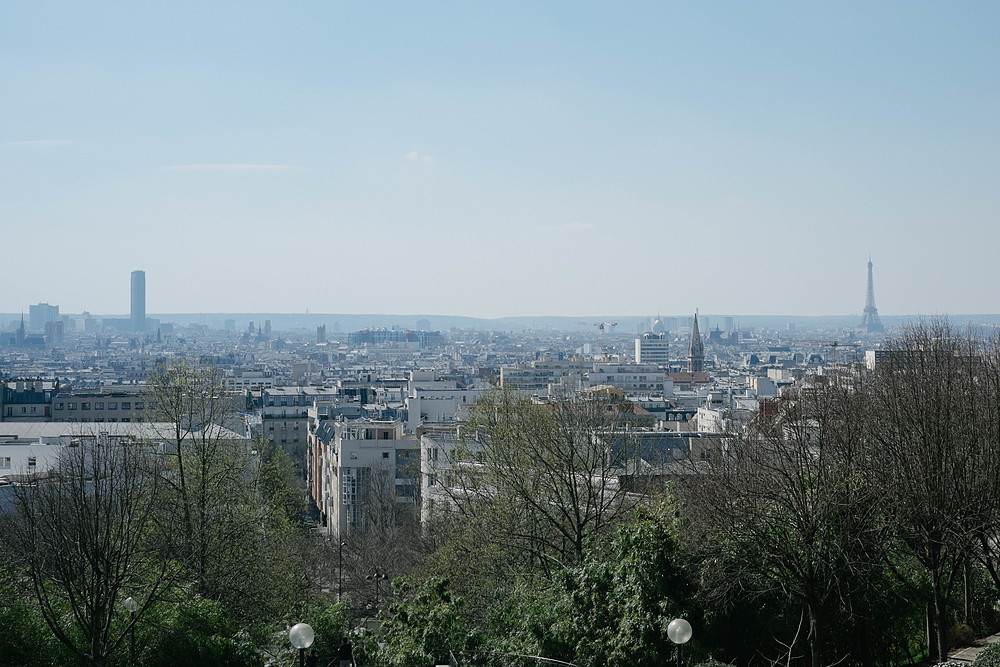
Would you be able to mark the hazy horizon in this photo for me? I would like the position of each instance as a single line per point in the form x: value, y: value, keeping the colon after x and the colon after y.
x: 489, y: 160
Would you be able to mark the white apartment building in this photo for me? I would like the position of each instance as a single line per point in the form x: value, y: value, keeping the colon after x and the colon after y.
x: 652, y: 349
x: 433, y: 401
x: 367, y: 473
x: 634, y: 379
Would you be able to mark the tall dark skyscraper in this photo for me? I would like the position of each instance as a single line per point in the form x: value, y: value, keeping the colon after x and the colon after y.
x: 870, y: 321
x: 138, y: 300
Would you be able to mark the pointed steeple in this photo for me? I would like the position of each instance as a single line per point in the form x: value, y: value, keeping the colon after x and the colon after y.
x: 696, y: 349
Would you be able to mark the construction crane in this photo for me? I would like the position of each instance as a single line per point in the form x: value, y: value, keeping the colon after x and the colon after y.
x: 602, y: 326
x: 833, y: 345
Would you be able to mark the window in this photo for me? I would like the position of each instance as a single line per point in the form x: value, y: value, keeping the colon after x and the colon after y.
x: 99, y: 405
x: 4, y: 461
x: 112, y: 405
x: 139, y: 405
x: 59, y: 406
x: 85, y: 406
x: 126, y: 405
x: 32, y: 462
x: 385, y: 455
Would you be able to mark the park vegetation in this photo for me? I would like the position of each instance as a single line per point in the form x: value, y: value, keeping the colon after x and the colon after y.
x: 853, y: 522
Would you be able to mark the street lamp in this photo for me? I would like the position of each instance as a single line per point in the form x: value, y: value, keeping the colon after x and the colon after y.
x: 377, y: 575
x: 340, y: 573
x: 301, y: 636
x: 679, y: 632
x: 132, y: 606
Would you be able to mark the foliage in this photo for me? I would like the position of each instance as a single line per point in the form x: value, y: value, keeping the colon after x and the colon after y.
x: 26, y: 639
x: 424, y: 626
x: 612, y: 609
x: 83, y: 539
x: 197, y: 632
x: 331, y: 623
x: 961, y: 634
x: 989, y: 657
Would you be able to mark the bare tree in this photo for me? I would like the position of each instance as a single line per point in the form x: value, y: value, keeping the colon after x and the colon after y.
x: 791, y: 507
x: 83, y: 535
x: 541, y: 478
x: 935, y: 427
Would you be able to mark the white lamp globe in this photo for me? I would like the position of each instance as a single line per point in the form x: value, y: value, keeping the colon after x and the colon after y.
x: 301, y: 635
x: 679, y: 631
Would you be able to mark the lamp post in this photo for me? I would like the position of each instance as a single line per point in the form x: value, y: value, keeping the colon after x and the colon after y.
x: 132, y: 606
x: 377, y: 575
x: 679, y: 632
x: 301, y: 636
x: 340, y: 573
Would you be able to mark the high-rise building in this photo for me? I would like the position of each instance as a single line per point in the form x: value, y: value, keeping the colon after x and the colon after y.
x: 41, y: 314
x: 652, y: 348
x: 870, y: 321
x: 138, y: 301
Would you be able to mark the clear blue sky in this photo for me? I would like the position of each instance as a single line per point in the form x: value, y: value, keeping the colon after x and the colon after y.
x: 506, y: 158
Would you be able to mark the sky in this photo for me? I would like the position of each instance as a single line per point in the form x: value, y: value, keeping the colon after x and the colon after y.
x: 498, y: 159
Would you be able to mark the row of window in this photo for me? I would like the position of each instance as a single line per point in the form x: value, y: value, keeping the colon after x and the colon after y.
x: 99, y: 405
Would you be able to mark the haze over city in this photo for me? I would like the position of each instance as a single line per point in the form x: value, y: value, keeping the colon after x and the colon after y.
x: 496, y: 160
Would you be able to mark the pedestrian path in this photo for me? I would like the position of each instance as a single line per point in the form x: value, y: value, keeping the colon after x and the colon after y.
x: 969, y: 653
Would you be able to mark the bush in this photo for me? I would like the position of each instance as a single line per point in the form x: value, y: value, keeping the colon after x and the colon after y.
x: 712, y: 662
x: 990, y: 657
x: 961, y: 634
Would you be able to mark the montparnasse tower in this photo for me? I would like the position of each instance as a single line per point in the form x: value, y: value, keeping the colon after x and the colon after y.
x: 870, y: 321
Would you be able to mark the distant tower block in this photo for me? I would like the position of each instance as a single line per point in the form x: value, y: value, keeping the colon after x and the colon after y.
x: 696, y: 349
x: 870, y: 321
x: 138, y: 301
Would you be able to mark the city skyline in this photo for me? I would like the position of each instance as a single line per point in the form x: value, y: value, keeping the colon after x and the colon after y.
x: 556, y: 159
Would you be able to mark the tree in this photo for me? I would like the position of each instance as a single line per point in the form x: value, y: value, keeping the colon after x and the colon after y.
x: 82, y: 536
x: 935, y: 426
x: 791, y: 506
x: 425, y: 627
x: 541, y: 478
x: 224, y: 505
x: 615, y: 608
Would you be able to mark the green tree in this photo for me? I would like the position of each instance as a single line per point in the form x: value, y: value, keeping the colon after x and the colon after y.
x: 424, y: 627
x: 228, y: 512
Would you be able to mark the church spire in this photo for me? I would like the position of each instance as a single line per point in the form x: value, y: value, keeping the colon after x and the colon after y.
x: 696, y: 349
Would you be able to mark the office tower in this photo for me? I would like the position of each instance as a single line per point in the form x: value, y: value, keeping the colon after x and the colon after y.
x: 41, y: 314
x: 138, y: 301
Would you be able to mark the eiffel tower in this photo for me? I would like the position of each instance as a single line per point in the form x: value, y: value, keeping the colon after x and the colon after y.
x: 870, y: 320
